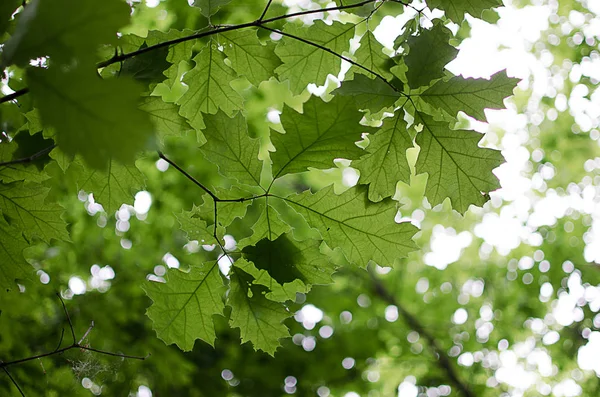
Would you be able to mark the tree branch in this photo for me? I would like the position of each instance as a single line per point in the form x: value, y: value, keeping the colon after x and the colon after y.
x: 443, y: 361
x: 30, y: 158
x: 58, y: 350
x: 258, y: 23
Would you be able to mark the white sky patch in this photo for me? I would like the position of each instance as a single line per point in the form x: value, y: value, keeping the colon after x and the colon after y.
x: 446, y: 246
x: 77, y: 285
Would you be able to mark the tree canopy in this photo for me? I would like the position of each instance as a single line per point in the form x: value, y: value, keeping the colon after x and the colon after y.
x: 263, y: 197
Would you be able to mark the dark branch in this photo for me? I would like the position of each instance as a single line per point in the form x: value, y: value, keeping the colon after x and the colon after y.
x: 265, y: 10
x: 14, y: 382
x: 443, y: 361
x: 30, y: 158
x: 68, y: 317
x: 74, y: 345
x: 14, y: 95
x: 188, y: 176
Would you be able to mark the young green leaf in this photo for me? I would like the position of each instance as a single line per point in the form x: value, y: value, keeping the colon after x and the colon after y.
x: 429, y: 53
x: 364, y: 230
x: 96, y: 118
x: 22, y: 204
x: 470, y: 95
x: 184, y: 305
x: 195, y: 227
x: 386, y: 163
x: 457, y: 167
x: 314, y: 138
x: 209, y: 88
x: 304, y: 63
x: 259, y: 319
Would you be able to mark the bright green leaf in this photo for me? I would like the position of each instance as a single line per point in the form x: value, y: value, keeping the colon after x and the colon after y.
x: 249, y: 57
x: 195, y: 227
x: 386, y: 163
x: 470, y: 95
x: 371, y: 56
x: 230, y: 147
x: 364, y: 230
x: 314, y: 138
x: 429, y: 53
x: 457, y: 167
x: 455, y: 9
x: 209, y: 88
x: 183, y: 307
x: 304, y: 63
x: 96, y: 118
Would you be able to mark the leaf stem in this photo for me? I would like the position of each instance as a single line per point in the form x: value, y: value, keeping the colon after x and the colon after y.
x: 188, y: 176
x: 29, y: 158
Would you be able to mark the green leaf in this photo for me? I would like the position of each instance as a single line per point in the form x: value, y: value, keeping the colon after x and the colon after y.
x: 112, y: 187
x: 429, y: 53
x: 304, y: 63
x: 386, y: 163
x: 230, y: 147
x: 314, y: 138
x: 183, y: 307
x: 269, y: 224
x: 371, y: 94
x: 364, y: 230
x: 23, y: 205
x: 286, y: 266
x: 28, y: 171
x: 195, y: 227
x: 147, y: 67
x: 249, y: 57
x: 371, y: 56
x: 165, y: 117
x: 209, y: 88
x: 209, y: 8
x: 12, y: 263
x: 470, y: 95
x: 63, y: 29
x: 455, y: 9
x: 457, y: 167
x: 96, y: 118
x: 259, y: 319
x: 7, y: 8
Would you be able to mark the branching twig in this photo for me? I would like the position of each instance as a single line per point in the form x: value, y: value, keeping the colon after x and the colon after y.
x: 75, y: 345
x: 443, y: 361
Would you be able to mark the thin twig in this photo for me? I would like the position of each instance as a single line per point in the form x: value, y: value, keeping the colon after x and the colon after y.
x: 14, y: 382
x: 86, y: 333
x: 68, y: 317
x: 74, y: 345
x: 188, y: 176
x: 29, y: 158
x: 62, y: 335
x: 258, y: 23
x: 443, y: 361
x: 265, y: 11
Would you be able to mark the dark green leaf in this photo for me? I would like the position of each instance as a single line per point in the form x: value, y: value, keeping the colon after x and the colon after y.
x: 371, y: 94
x: 455, y: 9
